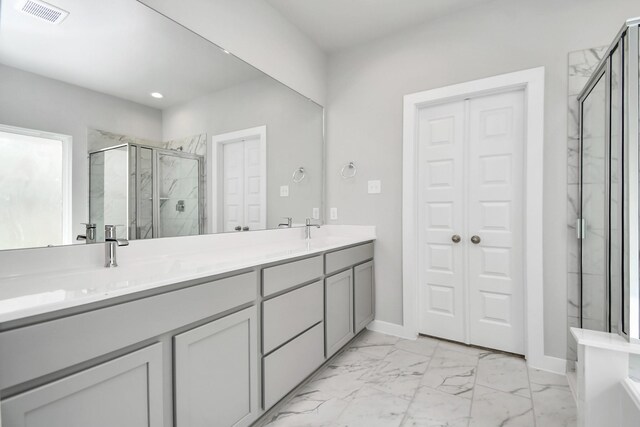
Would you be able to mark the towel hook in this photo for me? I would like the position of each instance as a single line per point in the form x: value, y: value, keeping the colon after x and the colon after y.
x: 344, y: 172
x: 298, y: 175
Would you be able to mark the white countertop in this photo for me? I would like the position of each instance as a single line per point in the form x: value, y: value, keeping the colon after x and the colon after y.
x: 604, y: 340
x: 35, y: 294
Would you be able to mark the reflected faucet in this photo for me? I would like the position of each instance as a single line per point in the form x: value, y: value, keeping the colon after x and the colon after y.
x: 287, y: 224
x: 89, y: 235
x: 307, y: 228
x: 111, y: 243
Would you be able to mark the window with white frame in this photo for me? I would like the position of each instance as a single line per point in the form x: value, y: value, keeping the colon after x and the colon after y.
x: 35, y: 188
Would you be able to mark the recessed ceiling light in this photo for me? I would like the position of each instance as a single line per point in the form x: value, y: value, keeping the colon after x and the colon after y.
x: 157, y: 95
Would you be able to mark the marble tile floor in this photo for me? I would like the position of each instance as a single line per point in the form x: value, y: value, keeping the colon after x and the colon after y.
x: 380, y: 380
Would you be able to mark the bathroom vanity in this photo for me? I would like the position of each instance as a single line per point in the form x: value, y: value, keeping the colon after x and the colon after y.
x: 218, y: 348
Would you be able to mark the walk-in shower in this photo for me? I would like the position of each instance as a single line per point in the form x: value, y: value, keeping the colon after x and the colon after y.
x: 608, y: 220
x: 147, y: 191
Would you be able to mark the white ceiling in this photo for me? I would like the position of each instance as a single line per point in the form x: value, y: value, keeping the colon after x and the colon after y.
x: 118, y: 47
x: 338, y: 24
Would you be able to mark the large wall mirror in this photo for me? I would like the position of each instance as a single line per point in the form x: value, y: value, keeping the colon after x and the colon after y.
x: 115, y: 114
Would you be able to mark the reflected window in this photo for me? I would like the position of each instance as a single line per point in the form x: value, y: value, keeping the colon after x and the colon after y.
x: 35, y: 189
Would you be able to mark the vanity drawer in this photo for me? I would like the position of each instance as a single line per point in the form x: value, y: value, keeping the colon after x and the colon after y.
x: 282, y: 277
x: 335, y: 261
x: 286, y: 316
x: 288, y: 366
x: 75, y: 339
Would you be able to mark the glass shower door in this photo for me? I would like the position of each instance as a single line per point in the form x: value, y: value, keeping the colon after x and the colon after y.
x: 594, y: 207
x: 145, y: 194
x: 109, y: 190
x: 179, y: 195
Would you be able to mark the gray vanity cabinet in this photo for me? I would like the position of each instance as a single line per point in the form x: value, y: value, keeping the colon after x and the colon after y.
x: 216, y: 380
x: 124, y: 392
x: 363, y: 290
x: 338, y: 311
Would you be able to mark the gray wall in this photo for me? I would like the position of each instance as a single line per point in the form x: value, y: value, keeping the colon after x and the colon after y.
x: 364, y: 116
x: 294, y: 138
x: 35, y: 102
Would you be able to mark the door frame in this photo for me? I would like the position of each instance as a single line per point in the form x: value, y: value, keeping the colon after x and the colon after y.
x: 215, y: 157
x: 532, y: 82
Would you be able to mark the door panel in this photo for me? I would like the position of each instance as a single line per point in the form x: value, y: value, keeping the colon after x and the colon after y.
x: 363, y: 292
x: 244, y: 186
x: 494, y: 210
x: 216, y: 383
x: 233, y: 185
x: 253, y: 186
x: 338, y: 311
x: 441, y: 138
x: 594, y: 207
x: 471, y: 184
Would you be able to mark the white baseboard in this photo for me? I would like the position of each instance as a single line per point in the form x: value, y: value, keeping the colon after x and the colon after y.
x: 390, y: 329
x: 552, y: 364
x: 632, y: 389
x: 572, y: 379
x: 544, y: 363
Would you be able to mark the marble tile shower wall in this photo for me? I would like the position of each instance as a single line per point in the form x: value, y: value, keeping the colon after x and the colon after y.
x: 179, y: 196
x: 173, y: 184
x: 582, y: 64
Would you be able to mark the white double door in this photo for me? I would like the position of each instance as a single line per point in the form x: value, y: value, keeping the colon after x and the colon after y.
x: 244, y: 191
x: 471, y: 174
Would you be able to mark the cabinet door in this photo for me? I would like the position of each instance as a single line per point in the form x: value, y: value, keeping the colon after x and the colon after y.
x: 363, y: 289
x: 216, y: 378
x: 338, y: 311
x: 124, y: 392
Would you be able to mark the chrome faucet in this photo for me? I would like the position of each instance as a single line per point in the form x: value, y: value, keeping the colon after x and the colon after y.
x: 89, y: 235
x: 111, y: 243
x: 307, y: 228
x: 287, y: 224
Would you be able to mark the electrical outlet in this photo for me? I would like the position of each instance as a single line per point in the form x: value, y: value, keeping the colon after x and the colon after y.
x: 374, y: 187
x: 284, y: 191
x: 316, y: 213
x: 333, y: 213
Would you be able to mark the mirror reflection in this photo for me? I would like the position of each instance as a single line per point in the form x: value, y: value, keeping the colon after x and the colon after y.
x: 116, y: 115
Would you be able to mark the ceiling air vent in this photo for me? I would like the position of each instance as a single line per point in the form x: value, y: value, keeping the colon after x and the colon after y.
x: 41, y: 10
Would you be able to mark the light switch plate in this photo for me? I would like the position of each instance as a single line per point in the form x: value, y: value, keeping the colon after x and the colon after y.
x: 333, y: 213
x: 316, y: 213
x: 374, y: 187
x: 284, y: 191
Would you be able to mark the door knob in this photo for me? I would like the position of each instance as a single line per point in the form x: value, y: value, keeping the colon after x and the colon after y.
x: 455, y: 238
x: 475, y: 239
x: 238, y: 228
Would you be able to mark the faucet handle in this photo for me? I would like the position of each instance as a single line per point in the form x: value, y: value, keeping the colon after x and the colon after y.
x: 90, y: 233
x: 110, y: 230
